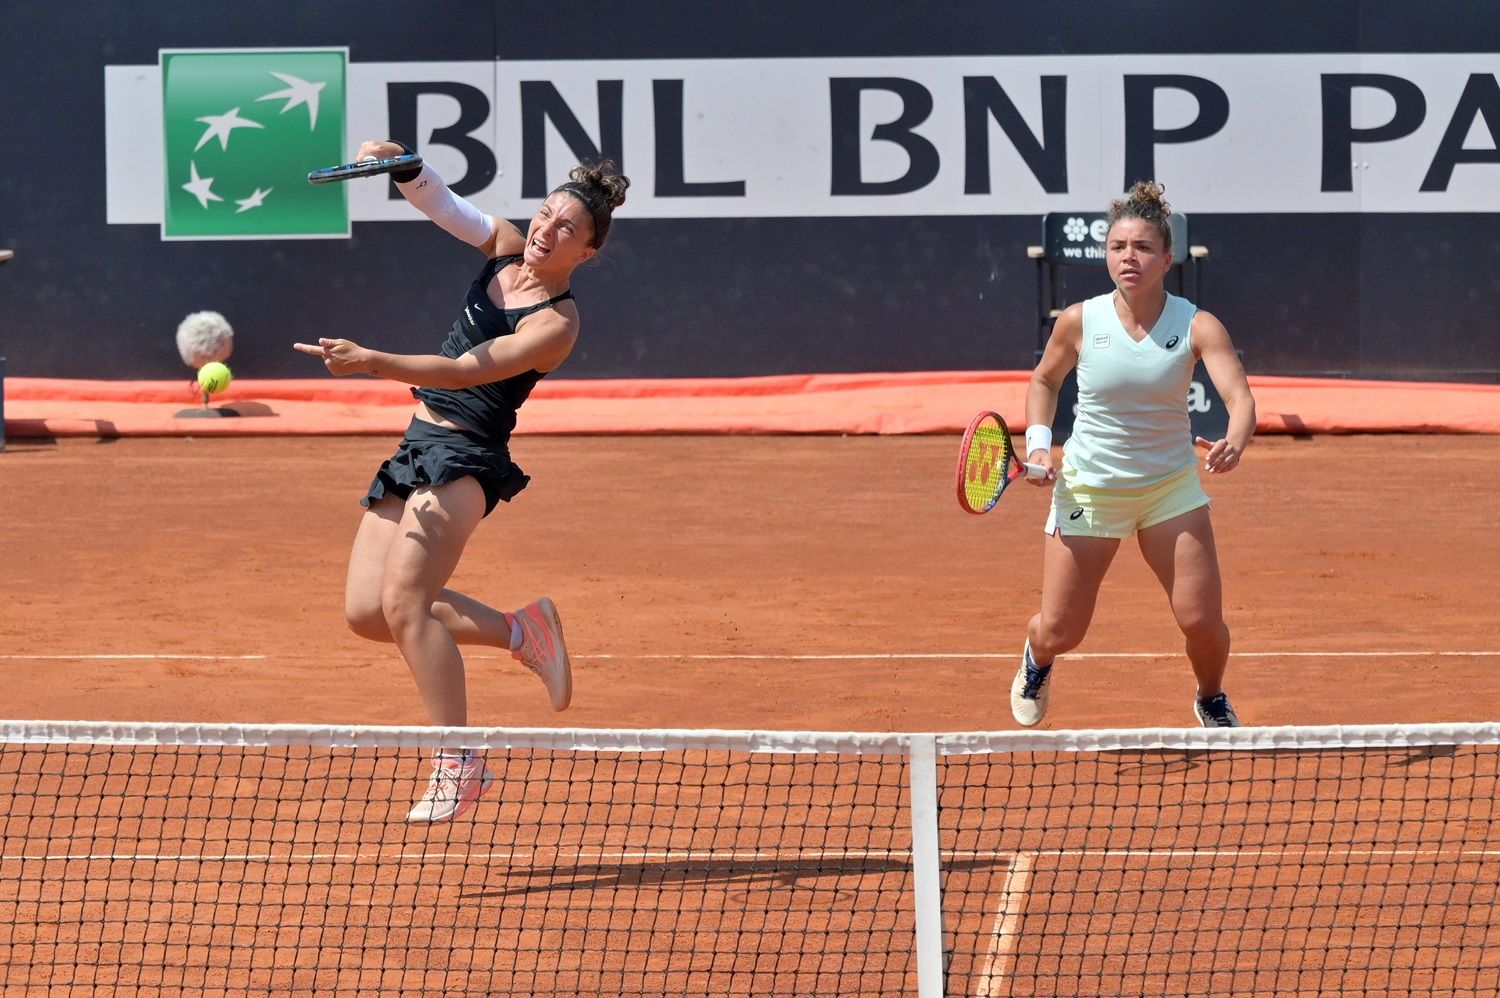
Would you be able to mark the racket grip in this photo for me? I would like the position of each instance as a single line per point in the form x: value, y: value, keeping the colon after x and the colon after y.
x: 1035, y: 471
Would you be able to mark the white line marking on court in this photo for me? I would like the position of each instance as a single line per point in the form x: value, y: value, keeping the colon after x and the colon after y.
x: 765, y: 656
x: 855, y: 657
x: 143, y: 657
x: 1284, y: 853
x: 514, y: 855
x: 1001, y: 951
x: 556, y: 853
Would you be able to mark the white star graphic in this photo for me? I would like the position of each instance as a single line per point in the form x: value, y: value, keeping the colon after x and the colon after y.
x: 200, y: 187
x: 298, y: 91
x: 220, y: 125
x: 253, y: 201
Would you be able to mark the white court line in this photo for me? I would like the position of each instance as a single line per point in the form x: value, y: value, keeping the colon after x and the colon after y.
x: 765, y: 657
x: 143, y: 657
x: 883, y: 656
x: 514, y: 855
x: 1001, y: 950
x: 555, y: 853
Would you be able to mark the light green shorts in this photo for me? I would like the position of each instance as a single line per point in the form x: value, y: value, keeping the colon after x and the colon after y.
x: 1084, y: 511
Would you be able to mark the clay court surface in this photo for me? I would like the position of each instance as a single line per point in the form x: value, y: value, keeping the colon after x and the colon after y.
x: 744, y: 582
x: 789, y: 582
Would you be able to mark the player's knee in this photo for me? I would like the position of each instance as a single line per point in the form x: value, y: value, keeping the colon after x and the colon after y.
x: 1207, y: 629
x: 366, y: 619
x: 1060, y: 636
x: 401, y: 609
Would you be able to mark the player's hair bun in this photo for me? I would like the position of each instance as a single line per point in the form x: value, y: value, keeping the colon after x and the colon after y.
x: 601, y: 188
x: 605, y: 178
x: 1148, y: 199
x: 1145, y: 200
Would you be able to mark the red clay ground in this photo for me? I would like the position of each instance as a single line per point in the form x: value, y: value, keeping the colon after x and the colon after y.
x: 689, y: 571
x: 700, y: 578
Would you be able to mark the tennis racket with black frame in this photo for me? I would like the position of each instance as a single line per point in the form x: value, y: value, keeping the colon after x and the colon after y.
x: 988, y: 463
x: 367, y: 167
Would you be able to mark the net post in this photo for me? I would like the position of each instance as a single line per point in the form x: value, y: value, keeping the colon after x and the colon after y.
x: 926, y: 877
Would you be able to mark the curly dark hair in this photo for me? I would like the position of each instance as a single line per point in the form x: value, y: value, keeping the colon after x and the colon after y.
x: 1144, y: 200
x: 601, y: 187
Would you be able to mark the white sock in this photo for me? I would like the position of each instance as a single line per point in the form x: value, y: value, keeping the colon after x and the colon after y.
x: 515, y: 632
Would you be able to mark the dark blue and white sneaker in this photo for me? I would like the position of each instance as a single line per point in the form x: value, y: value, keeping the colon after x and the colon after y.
x: 1029, y: 691
x: 1216, y: 712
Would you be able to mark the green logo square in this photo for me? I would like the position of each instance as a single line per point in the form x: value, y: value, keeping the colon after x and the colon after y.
x: 242, y: 129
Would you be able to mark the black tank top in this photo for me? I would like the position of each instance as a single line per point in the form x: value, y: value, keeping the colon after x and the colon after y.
x: 490, y: 408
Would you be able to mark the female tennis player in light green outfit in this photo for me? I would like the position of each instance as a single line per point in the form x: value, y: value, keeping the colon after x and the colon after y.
x: 1129, y: 465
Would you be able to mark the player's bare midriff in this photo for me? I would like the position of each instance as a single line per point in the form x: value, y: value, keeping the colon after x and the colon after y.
x: 426, y: 415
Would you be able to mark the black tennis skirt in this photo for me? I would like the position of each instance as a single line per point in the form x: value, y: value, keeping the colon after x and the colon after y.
x: 435, y: 455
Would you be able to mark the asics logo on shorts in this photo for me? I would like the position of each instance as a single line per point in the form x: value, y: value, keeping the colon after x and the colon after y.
x: 1075, y: 514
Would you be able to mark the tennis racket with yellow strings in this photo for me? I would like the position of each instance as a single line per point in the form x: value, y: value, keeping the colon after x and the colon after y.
x: 988, y: 463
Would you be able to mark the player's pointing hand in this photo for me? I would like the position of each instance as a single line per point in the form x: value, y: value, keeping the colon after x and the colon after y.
x: 339, y: 356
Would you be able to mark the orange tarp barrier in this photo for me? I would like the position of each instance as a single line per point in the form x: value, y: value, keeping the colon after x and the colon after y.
x: 924, y: 402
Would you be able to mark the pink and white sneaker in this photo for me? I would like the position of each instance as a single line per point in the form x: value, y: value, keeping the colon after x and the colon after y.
x: 541, y: 650
x: 453, y: 788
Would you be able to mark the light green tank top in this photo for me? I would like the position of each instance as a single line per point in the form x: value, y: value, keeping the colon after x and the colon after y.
x: 1132, y: 427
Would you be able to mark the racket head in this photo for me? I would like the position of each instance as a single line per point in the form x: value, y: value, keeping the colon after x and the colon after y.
x: 364, y: 168
x: 987, y: 463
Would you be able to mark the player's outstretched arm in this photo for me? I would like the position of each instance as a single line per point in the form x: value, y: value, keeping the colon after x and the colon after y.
x: 343, y: 357
x: 541, y: 343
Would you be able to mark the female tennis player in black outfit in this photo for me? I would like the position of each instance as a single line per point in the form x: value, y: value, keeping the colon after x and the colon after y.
x: 519, y: 322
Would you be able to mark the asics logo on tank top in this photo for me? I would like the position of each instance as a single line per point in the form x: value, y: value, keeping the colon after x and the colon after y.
x: 1171, y: 343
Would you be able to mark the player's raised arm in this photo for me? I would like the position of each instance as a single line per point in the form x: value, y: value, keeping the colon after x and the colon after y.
x: 428, y: 193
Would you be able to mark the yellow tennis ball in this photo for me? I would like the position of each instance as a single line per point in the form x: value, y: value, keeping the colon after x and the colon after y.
x: 214, y: 377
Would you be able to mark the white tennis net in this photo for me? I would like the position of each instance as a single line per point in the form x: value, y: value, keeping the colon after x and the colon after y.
x: 238, y: 859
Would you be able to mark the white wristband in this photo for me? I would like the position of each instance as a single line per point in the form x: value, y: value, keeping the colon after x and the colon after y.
x: 452, y: 213
x: 1038, y: 437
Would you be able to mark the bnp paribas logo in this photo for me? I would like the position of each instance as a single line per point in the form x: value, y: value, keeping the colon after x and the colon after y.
x: 242, y: 129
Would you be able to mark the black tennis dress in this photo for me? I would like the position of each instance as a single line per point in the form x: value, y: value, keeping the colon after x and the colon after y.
x: 434, y: 455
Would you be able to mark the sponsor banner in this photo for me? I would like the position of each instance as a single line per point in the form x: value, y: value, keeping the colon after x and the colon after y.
x: 237, y: 129
x: 971, y: 135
